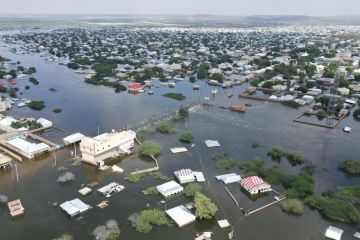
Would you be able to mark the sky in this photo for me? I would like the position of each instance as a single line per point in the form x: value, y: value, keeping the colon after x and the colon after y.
x: 183, y: 7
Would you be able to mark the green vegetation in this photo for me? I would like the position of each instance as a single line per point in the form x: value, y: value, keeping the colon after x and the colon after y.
x: 165, y: 128
x: 114, y: 235
x: 290, y: 103
x: 27, y: 87
x: 192, y: 79
x: 57, y: 110
x: 72, y: 65
x: 336, y: 209
x: 150, y: 148
x: 255, y: 145
x: 351, y: 194
x: 191, y: 189
x: 176, y: 96
x: 350, y: 166
x: 36, y: 105
x: 356, y: 114
x: 150, y: 191
x: 203, y: 71
x: 301, y: 185
x: 183, y: 112
x: 292, y: 206
x: 52, y: 89
x: 224, y: 161
x: 205, y: 208
x: 294, y: 158
x: 141, y: 135
x: 186, y: 137
x: 31, y: 70
x: 149, y: 218
x: 34, y: 81
x: 28, y: 124
x: 135, y: 178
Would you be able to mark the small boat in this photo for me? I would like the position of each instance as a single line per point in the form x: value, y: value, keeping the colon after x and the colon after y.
x: 196, y: 87
x: 248, y: 104
x: 240, y: 109
x: 151, y: 92
x: 214, y: 91
x: 171, y: 84
x: 230, y: 95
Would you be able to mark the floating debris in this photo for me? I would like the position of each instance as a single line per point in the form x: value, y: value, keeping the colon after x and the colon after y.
x: 66, y: 177
x: 3, y: 198
x: 103, y: 232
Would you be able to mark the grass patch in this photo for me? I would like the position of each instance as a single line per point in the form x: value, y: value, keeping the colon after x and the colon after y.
x: 255, y: 145
x: 186, y: 137
x: 191, y: 189
x: 226, y: 164
x: 292, y: 206
x: 165, y: 128
x: 150, y: 191
x: 336, y: 209
x: 135, y: 178
x: 294, y: 158
x: 351, y: 167
x: 176, y: 96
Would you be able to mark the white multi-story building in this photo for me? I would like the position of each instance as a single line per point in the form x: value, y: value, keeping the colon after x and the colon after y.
x: 94, y: 150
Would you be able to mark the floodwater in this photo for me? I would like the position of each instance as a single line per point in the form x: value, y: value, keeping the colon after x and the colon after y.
x: 87, y: 107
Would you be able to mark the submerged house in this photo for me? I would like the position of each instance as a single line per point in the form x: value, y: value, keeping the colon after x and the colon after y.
x: 184, y: 176
x: 94, y: 150
x: 74, y: 207
x: 255, y: 185
x: 135, y: 88
x: 169, y: 188
x: 181, y: 215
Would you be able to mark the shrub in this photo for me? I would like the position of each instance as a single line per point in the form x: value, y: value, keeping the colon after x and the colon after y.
x: 186, y: 137
x: 150, y: 148
x: 36, y: 105
x: 294, y: 158
x: 34, y: 81
x: 176, y: 96
x: 290, y: 103
x: 183, y: 112
x: 350, y: 166
x: 57, y: 110
x: 52, y: 89
x: 64, y: 237
x: 336, y: 209
x: 191, y: 189
x: 205, y: 208
x: 165, y: 128
x: 148, y: 218
x: 292, y: 206
x: 151, y: 191
x: 226, y: 164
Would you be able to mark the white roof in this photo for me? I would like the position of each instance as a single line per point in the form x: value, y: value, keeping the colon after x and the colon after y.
x: 44, y: 122
x: 333, y: 233
x: 73, y: 138
x: 178, y: 149
x: 108, y: 187
x: 181, y: 215
x: 169, y: 186
x: 224, y: 223
x: 74, y: 206
x: 85, y: 191
x: 212, y: 143
x: 28, y: 147
x: 229, y: 178
x: 199, y: 176
x: 7, y: 121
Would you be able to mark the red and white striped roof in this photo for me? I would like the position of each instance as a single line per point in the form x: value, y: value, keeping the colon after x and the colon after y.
x: 183, y: 172
x: 252, y: 182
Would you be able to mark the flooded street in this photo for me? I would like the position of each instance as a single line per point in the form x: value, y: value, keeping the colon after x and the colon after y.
x: 87, y: 107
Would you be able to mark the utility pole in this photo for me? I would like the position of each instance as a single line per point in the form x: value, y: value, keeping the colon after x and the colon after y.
x: 16, y: 171
x: 74, y: 150
x: 98, y: 128
x: 54, y: 158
